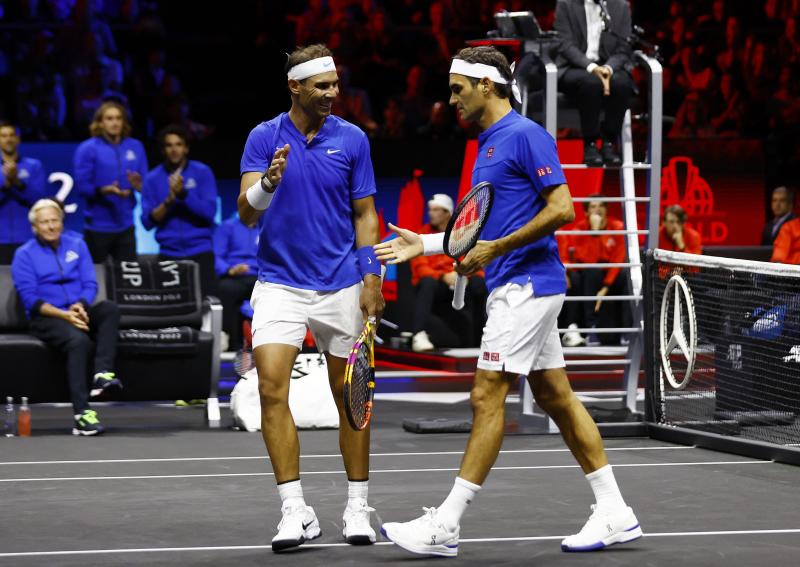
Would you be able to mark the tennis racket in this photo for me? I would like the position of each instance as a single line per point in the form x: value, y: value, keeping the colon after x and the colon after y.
x: 465, y: 228
x: 359, y: 378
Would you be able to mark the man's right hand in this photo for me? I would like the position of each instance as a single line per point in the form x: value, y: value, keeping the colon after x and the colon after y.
x: 238, y: 269
x: 10, y: 173
x: 604, y: 75
x: 677, y: 238
x: 408, y: 245
x: 275, y: 170
x: 114, y: 189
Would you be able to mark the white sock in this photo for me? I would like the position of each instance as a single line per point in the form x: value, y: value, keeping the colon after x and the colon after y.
x: 291, y: 494
x: 357, y: 491
x: 454, y: 506
x: 605, y: 488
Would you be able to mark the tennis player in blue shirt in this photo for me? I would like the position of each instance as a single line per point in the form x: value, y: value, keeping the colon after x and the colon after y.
x: 109, y: 166
x: 22, y: 183
x: 307, y: 179
x: 526, y: 281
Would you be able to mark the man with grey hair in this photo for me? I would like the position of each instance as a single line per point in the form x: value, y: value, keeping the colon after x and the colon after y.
x: 782, y: 204
x: 56, y: 281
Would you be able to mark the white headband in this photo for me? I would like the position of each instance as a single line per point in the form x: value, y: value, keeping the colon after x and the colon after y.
x: 479, y: 71
x: 310, y: 68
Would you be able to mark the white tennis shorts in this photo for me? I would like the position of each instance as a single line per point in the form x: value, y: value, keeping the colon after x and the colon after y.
x: 282, y: 313
x: 521, y: 332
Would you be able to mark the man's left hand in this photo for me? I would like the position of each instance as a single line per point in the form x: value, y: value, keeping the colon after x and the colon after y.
x: 600, y: 295
x: 484, y: 252
x: 371, y: 301
x: 135, y: 179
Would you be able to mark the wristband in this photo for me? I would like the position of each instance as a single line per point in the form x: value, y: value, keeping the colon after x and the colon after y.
x: 432, y: 244
x: 266, y: 184
x: 367, y: 262
x: 258, y: 198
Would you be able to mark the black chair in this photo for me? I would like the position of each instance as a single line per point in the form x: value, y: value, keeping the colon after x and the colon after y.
x: 163, y: 354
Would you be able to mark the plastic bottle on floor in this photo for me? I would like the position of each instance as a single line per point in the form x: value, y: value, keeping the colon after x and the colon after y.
x: 24, y: 419
x: 9, y: 418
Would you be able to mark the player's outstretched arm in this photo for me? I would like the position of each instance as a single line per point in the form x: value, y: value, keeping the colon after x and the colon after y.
x: 406, y: 246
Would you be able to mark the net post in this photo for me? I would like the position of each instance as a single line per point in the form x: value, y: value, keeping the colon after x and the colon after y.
x: 650, y: 407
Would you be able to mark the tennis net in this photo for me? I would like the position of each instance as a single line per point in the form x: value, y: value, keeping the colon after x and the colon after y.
x: 724, y: 346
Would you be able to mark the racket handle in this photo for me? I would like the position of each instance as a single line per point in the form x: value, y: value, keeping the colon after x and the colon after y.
x: 459, y: 291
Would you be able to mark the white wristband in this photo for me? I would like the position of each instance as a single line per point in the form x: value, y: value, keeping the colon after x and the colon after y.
x: 432, y: 244
x: 257, y: 197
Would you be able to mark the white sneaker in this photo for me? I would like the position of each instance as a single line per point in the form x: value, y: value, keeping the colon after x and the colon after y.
x: 572, y: 338
x: 421, y: 343
x: 298, y: 525
x: 425, y: 535
x: 355, y: 524
x: 604, y: 529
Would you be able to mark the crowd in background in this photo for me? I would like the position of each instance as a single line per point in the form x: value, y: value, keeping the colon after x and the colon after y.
x: 728, y: 64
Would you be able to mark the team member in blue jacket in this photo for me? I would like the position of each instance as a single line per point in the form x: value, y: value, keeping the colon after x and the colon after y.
x: 55, y: 279
x: 109, y: 166
x: 22, y: 183
x: 235, y: 249
x: 179, y: 200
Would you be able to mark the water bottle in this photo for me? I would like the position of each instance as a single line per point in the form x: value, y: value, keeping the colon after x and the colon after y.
x: 9, y: 418
x: 24, y: 419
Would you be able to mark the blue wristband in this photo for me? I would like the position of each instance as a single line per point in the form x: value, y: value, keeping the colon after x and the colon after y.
x: 367, y: 262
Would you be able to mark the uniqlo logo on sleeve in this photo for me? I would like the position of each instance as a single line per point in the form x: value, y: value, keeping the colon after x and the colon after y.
x: 542, y: 171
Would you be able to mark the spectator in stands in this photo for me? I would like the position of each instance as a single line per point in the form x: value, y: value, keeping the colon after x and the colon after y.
x: 108, y: 167
x: 179, y: 200
x: 787, y: 245
x: 675, y: 235
x: 235, y: 247
x: 598, y: 282
x: 353, y: 103
x: 782, y: 204
x: 729, y: 112
x: 594, y: 70
x: 441, y: 125
x: 692, y: 120
x: 433, y: 277
x: 22, y: 183
x: 56, y: 281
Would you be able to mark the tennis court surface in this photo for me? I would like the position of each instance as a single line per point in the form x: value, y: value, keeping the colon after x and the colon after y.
x: 160, y: 489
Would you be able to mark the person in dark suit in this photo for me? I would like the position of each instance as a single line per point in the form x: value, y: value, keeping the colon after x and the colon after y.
x: 782, y: 212
x: 594, y: 70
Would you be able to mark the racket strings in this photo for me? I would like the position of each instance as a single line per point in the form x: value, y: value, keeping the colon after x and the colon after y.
x: 360, y: 386
x: 468, y: 224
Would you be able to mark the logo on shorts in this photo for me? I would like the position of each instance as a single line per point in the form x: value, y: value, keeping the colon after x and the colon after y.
x: 490, y: 152
x: 493, y: 356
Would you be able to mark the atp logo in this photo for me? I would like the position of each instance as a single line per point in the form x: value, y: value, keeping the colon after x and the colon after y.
x: 682, y: 184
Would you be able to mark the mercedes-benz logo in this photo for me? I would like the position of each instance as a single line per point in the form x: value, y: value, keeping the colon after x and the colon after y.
x: 674, y: 336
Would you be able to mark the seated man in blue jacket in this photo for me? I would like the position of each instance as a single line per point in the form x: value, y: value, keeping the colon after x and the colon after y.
x: 56, y: 281
x: 22, y: 183
x: 235, y: 248
x: 179, y: 200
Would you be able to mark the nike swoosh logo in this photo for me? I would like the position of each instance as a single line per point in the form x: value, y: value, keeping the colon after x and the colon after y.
x: 333, y: 151
x: 308, y: 524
